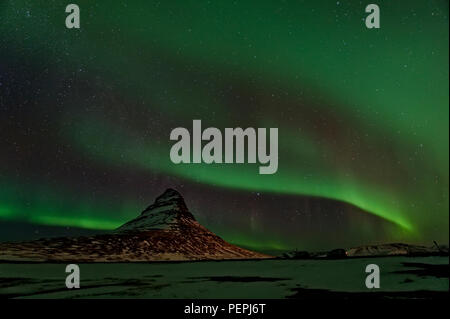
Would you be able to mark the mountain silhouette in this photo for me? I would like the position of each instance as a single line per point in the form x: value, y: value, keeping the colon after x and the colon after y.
x: 165, y: 231
x: 167, y: 212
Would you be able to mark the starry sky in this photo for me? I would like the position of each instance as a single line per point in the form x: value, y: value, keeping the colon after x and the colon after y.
x: 86, y: 114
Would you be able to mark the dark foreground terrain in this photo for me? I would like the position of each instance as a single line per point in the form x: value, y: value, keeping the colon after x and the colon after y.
x: 401, y: 277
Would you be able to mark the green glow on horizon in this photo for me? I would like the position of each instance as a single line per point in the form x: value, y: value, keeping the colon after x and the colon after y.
x: 126, y: 151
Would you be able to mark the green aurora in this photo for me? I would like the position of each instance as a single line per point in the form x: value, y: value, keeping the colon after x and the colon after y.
x: 362, y: 114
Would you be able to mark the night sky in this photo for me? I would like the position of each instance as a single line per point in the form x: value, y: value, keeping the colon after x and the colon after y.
x: 85, y: 116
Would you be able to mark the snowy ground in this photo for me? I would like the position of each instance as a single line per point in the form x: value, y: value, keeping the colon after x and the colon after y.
x: 407, y: 277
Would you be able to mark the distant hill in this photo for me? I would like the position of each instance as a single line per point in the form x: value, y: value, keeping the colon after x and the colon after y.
x: 381, y: 250
x: 396, y: 249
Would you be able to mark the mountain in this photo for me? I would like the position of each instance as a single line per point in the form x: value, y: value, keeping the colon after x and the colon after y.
x: 397, y: 249
x: 380, y: 250
x: 165, y: 231
x: 168, y: 212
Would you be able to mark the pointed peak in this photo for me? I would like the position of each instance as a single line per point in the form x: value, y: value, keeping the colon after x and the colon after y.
x: 169, y: 194
x: 169, y: 197
x: 166, y: 212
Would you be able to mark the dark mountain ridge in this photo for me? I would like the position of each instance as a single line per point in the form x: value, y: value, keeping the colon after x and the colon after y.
x: 164, y: 231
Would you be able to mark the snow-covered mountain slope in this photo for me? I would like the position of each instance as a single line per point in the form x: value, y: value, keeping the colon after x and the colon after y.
x: 166, y: 230
x: 166, y: 212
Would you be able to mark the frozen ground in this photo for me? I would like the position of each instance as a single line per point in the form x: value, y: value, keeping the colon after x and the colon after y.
x: 401, y: 277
